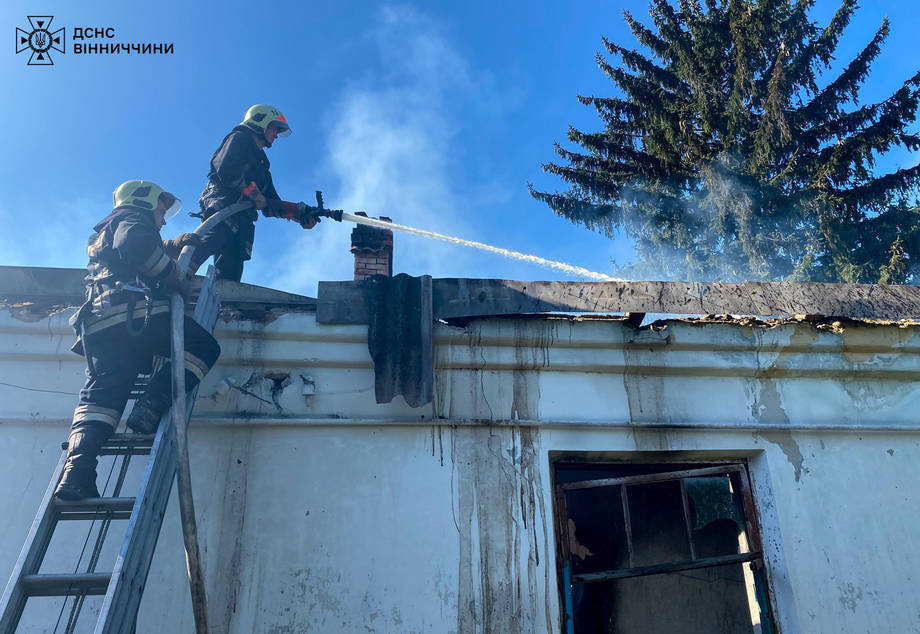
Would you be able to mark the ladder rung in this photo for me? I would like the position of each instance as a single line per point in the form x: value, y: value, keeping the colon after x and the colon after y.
x: 124, y: 444
x: 94, y: 508
x: 94, y: 583
x: 128, y: 438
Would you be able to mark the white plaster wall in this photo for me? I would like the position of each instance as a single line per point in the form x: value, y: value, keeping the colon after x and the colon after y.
x: 687, y: 373
x: 378, y: 520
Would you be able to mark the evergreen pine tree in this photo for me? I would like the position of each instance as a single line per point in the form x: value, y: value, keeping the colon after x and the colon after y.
x: 729, y: 156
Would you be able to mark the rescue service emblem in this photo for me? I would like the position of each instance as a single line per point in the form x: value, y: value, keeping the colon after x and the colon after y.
x: 41, y: 40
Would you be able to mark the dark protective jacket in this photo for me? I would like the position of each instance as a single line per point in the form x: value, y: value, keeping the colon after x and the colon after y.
x: 121, y: 327
x: 238, y: 162
x: 126, y: 249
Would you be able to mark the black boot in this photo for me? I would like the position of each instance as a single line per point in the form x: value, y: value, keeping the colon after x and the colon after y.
x: 148, y: 410
x: 156, y: 401
x: 79, y: 478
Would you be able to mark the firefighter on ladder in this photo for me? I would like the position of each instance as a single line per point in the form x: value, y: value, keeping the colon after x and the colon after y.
x: 124, y: 323
x: 240, y: 172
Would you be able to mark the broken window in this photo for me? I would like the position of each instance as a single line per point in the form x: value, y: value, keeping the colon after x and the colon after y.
x: 677, y: 551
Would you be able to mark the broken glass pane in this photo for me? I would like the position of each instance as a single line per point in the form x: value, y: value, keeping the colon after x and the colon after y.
x: 659, y: 532
x: 715, y: 516
x: 596, y: 531
x: 702, y: 601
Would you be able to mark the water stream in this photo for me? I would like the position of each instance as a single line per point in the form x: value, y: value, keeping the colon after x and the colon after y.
x: 561, y: 266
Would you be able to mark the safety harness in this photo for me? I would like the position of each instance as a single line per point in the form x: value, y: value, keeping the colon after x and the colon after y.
x: 113, y: 290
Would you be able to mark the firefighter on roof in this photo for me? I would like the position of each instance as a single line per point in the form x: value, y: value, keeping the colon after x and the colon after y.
x: 124, y: 323
x: 240, y: 172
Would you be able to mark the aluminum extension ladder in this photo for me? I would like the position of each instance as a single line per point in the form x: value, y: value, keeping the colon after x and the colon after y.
x: 124, y: 586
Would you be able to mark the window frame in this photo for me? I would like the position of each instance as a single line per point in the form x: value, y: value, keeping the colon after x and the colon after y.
x: 754, y: 556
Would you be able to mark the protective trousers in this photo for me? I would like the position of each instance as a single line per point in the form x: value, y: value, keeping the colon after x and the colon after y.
x: 118, y: 357
x: 230, y: 250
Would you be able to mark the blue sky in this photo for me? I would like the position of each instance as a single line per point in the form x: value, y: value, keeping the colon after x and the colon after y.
x: 436, y: 114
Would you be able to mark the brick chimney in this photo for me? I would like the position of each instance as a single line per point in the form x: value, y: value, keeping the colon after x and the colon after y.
x: 373, y: 249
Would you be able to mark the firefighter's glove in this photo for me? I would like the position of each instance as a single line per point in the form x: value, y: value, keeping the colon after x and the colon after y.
x: 252, y: 193
x: 274, y: 208
x: 174, y: 247
x: 181, y: 284
x: 298, y: 212
x: 307, y: 216
x: 186, y: 288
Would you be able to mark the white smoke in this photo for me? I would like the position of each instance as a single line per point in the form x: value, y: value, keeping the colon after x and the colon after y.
x: 390, y: 151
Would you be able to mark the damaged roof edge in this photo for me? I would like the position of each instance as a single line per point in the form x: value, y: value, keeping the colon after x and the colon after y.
x: 343, y: 302
x: 59, y: 287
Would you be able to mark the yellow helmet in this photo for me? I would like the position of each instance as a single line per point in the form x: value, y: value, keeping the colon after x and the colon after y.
x: 145, y: 195
x: 259, y: 116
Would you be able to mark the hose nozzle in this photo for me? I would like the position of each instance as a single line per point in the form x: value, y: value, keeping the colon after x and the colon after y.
x: 335, y: 214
